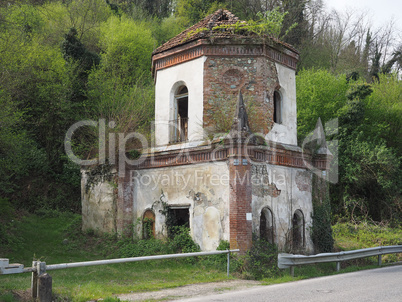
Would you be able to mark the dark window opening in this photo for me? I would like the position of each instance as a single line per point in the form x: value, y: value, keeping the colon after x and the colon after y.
x: 180, y: 121
x: 177, y: 217
x: 267, y: 225
x: 298, y: 229
x: 148, y: 225
x: 277, y: 108
x: 182, y: 90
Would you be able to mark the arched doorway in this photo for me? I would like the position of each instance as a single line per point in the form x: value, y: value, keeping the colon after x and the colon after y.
x: 298, y: 229
x: 267, y: 225
x: 148, y: 225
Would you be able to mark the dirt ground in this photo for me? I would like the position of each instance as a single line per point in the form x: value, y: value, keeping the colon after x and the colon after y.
x: 170, y: 294
x: 192, y: 290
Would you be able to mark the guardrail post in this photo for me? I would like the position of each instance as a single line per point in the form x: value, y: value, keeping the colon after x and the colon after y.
x: 41, y: 284
x: 292, y: 271
x: 34, y: 281
x: 45, y: 288
x: 338, y: 266
x: 228, y: 266
x: 379, y: 260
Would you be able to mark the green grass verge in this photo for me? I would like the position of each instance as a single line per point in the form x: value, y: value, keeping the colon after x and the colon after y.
x: 42, y: 238
x: 350, y: 236
x: 89, y: 283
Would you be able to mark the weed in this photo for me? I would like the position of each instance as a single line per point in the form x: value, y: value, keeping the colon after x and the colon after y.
x: 111, y: 299
x: 261, y: 260
x: 9, y: 297
x: 350, y: 236
x: 182, y: 241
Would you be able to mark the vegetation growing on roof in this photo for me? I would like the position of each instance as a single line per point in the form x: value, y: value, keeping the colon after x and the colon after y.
x: 269, y: 23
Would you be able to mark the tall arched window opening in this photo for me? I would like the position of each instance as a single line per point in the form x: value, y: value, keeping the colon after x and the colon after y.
x: 148, y: 225
x: 298, y: 229
x: 180, y: 119
x: 277, y: 108
x: 267, y: 225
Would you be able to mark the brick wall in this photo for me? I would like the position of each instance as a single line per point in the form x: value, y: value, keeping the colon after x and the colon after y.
x: 257, y: 79
x: 240, y: 197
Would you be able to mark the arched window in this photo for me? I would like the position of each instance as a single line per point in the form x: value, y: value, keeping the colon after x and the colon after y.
x: 277, y: 108
x: 148, y: 225
x: 267, y: 225
x: 298, y: 229
x: 180, y: 119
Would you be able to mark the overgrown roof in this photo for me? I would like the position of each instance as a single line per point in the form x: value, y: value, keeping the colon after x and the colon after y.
x: 203, y: 29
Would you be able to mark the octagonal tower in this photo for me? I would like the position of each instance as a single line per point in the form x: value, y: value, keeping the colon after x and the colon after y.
x: 199, y: 73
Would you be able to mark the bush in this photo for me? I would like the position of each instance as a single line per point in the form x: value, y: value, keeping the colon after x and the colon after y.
x: 261, y: 260
x: 321, y: 230
x: 145, y: 247
x: 220, y: 261
x: 182, y: 241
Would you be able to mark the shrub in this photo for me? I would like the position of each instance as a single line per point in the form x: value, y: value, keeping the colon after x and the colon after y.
x: 321, y: 229
x: 182, y: 241
x: 261, y: 260
x: 144, y: 248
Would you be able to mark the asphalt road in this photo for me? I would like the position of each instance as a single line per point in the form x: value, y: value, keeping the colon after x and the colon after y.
x: 381, y: 284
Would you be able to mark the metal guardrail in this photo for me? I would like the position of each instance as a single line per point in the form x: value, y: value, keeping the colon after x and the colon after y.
x: 135, y: 259
x: 42, y: 283
x: 290, y: 261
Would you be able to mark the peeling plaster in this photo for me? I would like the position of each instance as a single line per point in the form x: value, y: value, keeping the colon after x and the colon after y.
x: 303, y: 180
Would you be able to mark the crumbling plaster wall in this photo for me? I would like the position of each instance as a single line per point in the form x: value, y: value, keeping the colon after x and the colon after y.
x: 286, y: 132
x: 98, y: 205
x: 203, y: 188
x: 284, y: 190
x: 167, y: 82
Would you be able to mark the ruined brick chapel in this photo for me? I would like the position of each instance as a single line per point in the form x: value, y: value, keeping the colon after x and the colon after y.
x: 225, y: 160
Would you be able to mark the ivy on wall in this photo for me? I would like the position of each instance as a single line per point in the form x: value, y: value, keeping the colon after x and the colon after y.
x: 98, y: 174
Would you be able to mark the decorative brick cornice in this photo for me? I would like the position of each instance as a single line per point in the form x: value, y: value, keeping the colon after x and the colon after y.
x: 274, y: 155
x: 203, y: 47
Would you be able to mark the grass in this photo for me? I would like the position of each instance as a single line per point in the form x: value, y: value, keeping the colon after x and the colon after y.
x: 350, y: 236
x: 42, y: 238
x: 87, y: 283
x: 56, y: 239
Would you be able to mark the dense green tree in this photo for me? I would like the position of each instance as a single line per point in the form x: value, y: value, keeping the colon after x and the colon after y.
x: 126, y: 49
x: 368, y: 135
x: 368, y: 169
x: 396, y: 59
x: 146, y: 8
x: 295, y: 15
x: 384, y: 112
x: 195, y: 10
x: 319, y: 94
x: 167, y: 28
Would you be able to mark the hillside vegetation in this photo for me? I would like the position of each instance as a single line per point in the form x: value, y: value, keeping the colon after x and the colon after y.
x: 63, y: 61
x: 55, y: 237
